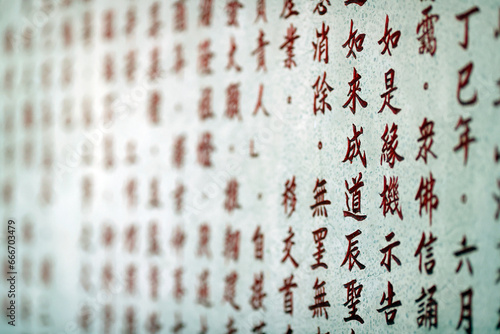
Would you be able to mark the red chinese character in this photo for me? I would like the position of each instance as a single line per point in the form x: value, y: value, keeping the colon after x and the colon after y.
x: 154, y: 245
x: 180, y: 15
x: 427, y: 40
x: 178, y: 238
x: 129, y: 27
x: 466, y: 249
x: 321, y: 89
x: 353, y: 95
x: 259, y: 104
x: 179, y: 59
x: 154, y: 70
x: 230, y: 327
x: 154, y: 200
x: 389, y: 153
x: 154, y: 19
x: 178, y: 198
x: 289, y: 198
x: 320, y: 7
x: 261, y: 10
x: 354, y: 42
x: 260, y: 52
x: 465, y: 16
x: 153, y: 325
x: 320, y: 191
x: 354, y: 210
x: 288, y: 285
x: 387, y: 96
x: 288, y: 9
x: 390, y: 197
x: 320, y: 304
x: 232, y: 244
x: 427, y: 309
x: 230, y: 289
x: 463, y: 80
x: 233, y: 101
x: 154, y: 274
x: 387, y: 251
x: 319, y: 235
x: 353, y: 295
x: 466, y: 310
x: 290, y: 38
x: 258, y: 295
x: 321, y: 45
x: 179, y: 151
x: 354, y: 147
x: 425, y: 195
x: 204, y: 57
x: 391, y: 308
x: 232, y: 12
x: 231, y: 62
x: 426, y: 134
x: 258, y: 240
x: 203, y: 292
x: 465, y: 140
x: 205, y: 105
x: 231, y: 202
x: 130, y: 67
x: 205, y: 12
x: 390, y: 38
x: 205, y: 149
x: 203, y: 246
x: 288, y: 248
x: 427, y: 245
x: 353, y: 251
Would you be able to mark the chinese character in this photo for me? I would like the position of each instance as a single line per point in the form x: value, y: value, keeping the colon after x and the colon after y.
x: 466, y: 310
x: 260, y: 52
x: 261, y: 10
x: 430, y: 262
x: 256, y: 301
x: 288, y: 285
x: 391, y: 308
x: 288, y: 248
x: 320, y: 304
x: 427, y: 40
x: 353, y: 96
x: 389, y: 38
x: 463, y: 80
x: 319, y: 207
x: 230, y: 289
x: 205, y: 149
x: 387, y: 251
x: 354, y: 42
x: 231, y: 62
x: 180, y: 15
x: 289, y: 198
x: 463, y: 251
x: 232, y: 12
x: 387, y: 96
x: 204, y: 239
x: 204, y: 57
x: 355, y: 192
x: 389, y: 154
x: 354, y: 147
x: 178, y: 290
x: 203, y: 292
x: 233, y: 101
x: 321, y: 45
x: 319, y: 235
x: 259, y: 104
x: 425, y: 195
x: 258, y: 239
x: 231, y: 202
x: 290, y: 38
x: 320, y: 7
x: 353, y: 251
x: 179, y: 151
x: 353, y: 295
x: 465, y: 16
x: 426, y: 134
x: 465, y: 140
x: 321, y: 89
x: 427, y: 309
x: 231, y: 244
x: 205, y: 12
x: 288, y: 9
x: 390, y: 197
